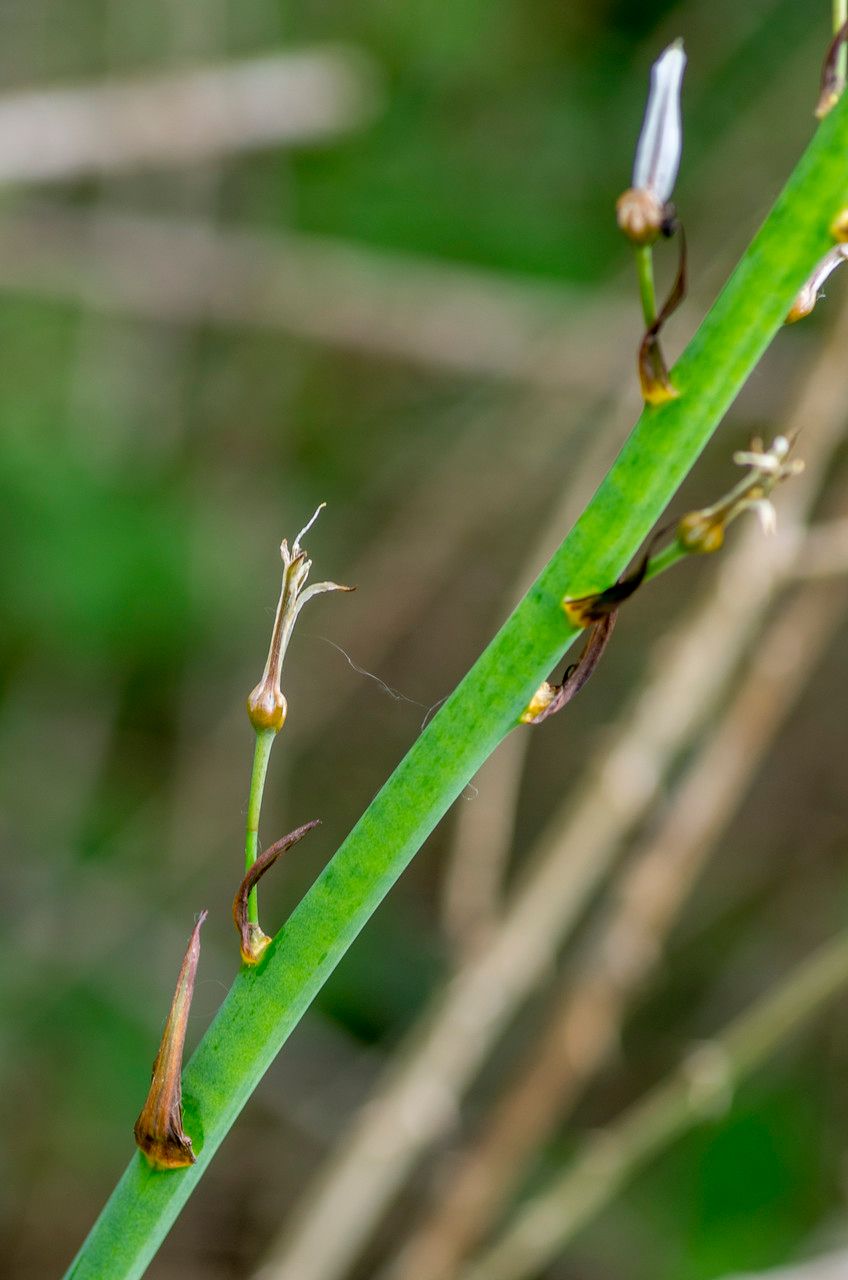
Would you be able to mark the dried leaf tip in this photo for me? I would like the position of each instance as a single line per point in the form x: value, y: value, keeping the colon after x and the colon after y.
x: 253, y: 940
x: 643, y: 211
x: 158, y: 1131
x: 808, y: 295
x: 266, y: 705
x: 703, y: 531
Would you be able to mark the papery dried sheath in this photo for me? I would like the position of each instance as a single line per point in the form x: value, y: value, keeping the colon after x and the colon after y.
x: 253, y: 940
x: 159, y: 1129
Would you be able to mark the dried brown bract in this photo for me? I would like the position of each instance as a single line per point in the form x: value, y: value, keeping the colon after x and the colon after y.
x: 253, y: 940
x: 159, y: 1129
x: 550, y: 699
x: 654, y: 379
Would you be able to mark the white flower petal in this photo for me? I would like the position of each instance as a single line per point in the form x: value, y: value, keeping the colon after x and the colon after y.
x: 661, y: 139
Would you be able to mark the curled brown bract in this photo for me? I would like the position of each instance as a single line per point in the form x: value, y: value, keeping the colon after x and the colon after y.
x: 576, y: 675
x: 253, y: 940
x: 653, y: 375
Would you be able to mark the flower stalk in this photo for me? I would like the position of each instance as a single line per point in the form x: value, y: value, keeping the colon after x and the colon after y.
x: 696, y: 533
x: 267, y: 709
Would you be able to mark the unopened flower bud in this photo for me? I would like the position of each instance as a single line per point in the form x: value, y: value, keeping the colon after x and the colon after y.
x: 267, y: 706
x: 643, y: 210
x: 700, y: 534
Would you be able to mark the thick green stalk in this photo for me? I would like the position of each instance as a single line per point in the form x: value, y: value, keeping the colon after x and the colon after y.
x: 266, y: 1003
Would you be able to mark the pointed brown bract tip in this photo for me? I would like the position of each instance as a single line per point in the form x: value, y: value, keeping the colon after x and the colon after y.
x: 158, y: 1131
x: 253, y: 941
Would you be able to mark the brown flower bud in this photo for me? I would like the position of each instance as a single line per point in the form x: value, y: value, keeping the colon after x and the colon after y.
x: 699, y: 533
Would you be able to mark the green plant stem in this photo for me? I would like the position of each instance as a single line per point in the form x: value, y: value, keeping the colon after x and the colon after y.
x: 647, y: 291
x: 700, y: 1089
x: 261, y: 756
x: 265, y: 1003
x: 664, y: 559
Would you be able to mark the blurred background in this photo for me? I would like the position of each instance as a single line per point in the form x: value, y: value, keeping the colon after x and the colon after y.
x: 254, y: 257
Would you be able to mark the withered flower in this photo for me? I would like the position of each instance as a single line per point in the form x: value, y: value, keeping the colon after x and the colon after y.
x: 159, y: 1129
x: 643, y: 210
x: 266, y: 705
x: 808, y: 295
x: 703, y: 531
x: 253, y: 940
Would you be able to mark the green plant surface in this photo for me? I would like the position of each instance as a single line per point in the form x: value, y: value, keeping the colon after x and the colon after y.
x: 265, y: 1004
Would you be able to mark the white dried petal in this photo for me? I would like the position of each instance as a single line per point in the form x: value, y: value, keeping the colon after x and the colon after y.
x: 766, y: 515
x: 661, y: 140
